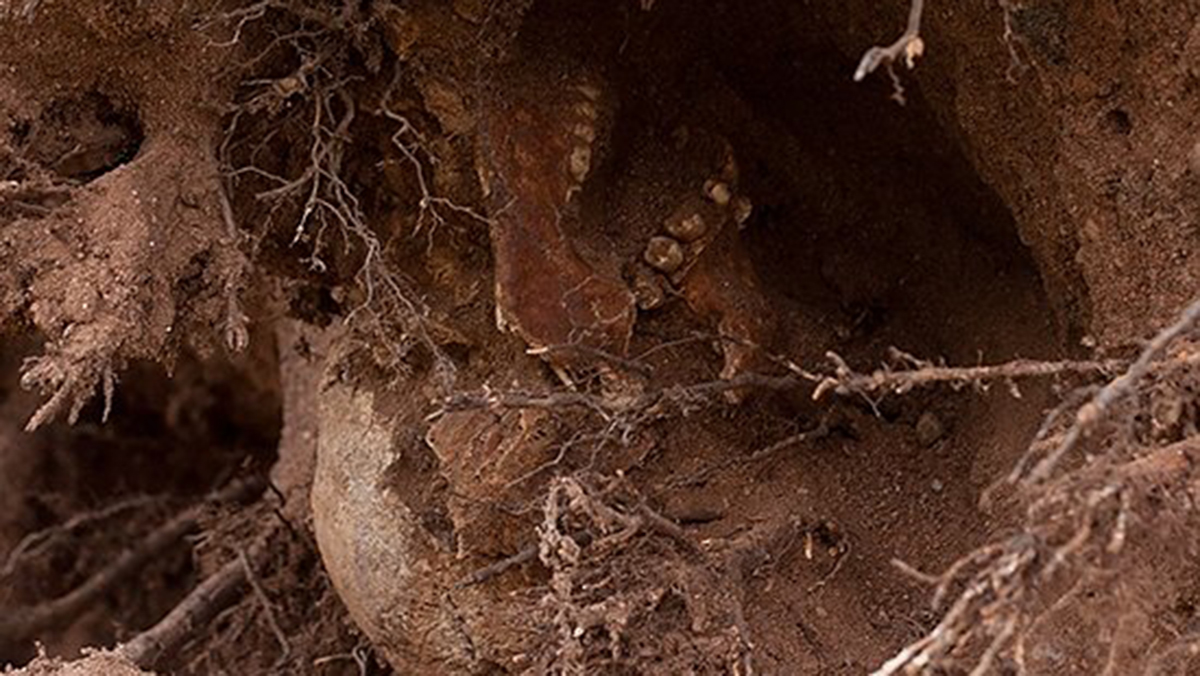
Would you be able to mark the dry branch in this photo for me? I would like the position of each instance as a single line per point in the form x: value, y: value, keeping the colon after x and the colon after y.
x: 237, y: 331
x: 429, y: 201
x: 218, y: 592
x: 267, y: 606
x: 499, y: 568
x: 846, y: 381
x: 843, y: 381
x: 621, y: 415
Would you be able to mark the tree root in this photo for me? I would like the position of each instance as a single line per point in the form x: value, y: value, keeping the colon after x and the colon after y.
x: 35, y: 543
x: 1078, y: 524
x: 910, y: 373
x: 18, y: 625
x: 188, y: 619
x: 218, y: 592
x: 1094, y: 412
x: 909, y: 47
x: 914, y: 373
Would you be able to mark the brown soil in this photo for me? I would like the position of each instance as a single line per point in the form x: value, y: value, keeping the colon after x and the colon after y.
x: 331, y: 244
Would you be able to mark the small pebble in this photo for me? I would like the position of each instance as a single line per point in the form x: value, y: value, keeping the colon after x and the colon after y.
x: 929, y: 429
x: 664, y: 254
x: 936, y: 486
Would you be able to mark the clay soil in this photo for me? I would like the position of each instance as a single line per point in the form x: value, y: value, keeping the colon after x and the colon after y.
x: 388, y: 260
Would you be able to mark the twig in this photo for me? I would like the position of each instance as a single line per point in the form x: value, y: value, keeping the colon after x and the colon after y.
x: 209, y: 599
x: 984, y: 666
x: 243, y: 16
x: 218, y: 592
x: 628, y: 411
x: 631, y: 365
x: 612, y: 407
x: 845, y: 381
x: 327, y: 200
x: 359, y: 655
x: 843, y: 554
x: 660, y: 524
x: 429, y: 201
x: 576, y: 439
x: 923, y: 578
x: 910, y: 46
x: 1040, y: 439
x: 237, y: 332
x: 268, y: 608
x: 22, y: 624
x: 819, y: 432
x: 498, y: 568
x: 1010, y: 40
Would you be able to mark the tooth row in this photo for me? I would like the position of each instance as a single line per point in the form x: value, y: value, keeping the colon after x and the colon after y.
x: 579, y: 162
x: 688, y: 225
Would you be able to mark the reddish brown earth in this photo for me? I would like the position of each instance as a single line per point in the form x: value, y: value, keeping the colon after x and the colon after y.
x: 427, y: 267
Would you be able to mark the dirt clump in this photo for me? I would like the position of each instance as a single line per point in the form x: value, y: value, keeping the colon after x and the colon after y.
x: 115, y: 238
x: 93, y: 663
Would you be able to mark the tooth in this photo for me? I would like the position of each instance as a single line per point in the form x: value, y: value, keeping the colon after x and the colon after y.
x: 664, y: 254
x: 580, y: 162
